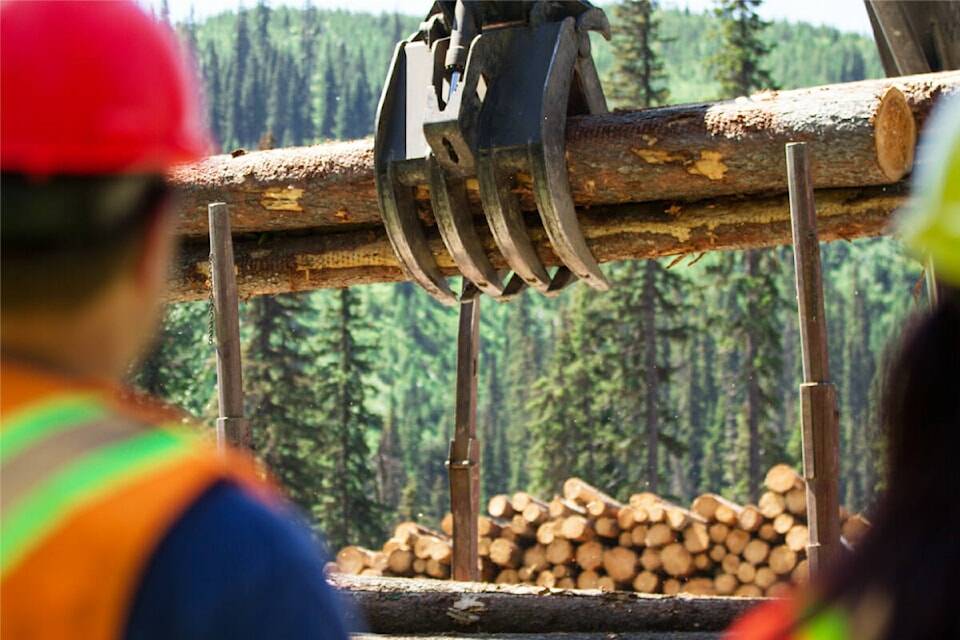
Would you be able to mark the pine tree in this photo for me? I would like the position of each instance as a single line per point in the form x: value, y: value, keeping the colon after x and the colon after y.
x: 637, y: 79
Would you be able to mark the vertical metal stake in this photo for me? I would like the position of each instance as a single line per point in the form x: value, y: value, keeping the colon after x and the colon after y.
x: 818, y: 398
x: 464, y: 459
x: 232, y: 427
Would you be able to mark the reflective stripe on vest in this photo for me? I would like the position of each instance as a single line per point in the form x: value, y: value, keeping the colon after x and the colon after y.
x: 65, y: 453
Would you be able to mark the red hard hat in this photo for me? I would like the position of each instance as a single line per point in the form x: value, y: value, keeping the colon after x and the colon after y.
x: 94, y: 88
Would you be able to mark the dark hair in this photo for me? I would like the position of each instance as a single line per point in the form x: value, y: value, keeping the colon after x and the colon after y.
x: 910, y: 560
x: 63, y: 238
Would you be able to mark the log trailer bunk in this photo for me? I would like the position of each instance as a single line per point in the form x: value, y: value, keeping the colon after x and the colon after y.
x: 481, y: 94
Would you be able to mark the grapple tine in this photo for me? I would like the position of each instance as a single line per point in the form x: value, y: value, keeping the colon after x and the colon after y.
x: 452, y: 211
x: 409, y: 242
x: 551, y: 186
x: 561, y: 279
x: 502, y: 210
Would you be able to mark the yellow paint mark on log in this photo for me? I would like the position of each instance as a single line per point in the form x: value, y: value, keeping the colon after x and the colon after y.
x: 656, y: 156
x: 284, y: 199
x: 473, y: 184
x: 709, y: 165
x: 342, y: 214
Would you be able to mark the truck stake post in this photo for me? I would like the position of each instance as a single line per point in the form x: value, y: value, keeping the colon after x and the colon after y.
x: 232, y: 427
x: 818, y: 397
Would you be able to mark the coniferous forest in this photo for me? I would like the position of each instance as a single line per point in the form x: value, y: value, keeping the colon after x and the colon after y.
x: 682, y: 379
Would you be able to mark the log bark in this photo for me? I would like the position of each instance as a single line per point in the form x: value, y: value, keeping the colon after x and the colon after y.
x: 681, y: 152
x: 578, y: 491
x: 318, y: 193
x: 282, y: 263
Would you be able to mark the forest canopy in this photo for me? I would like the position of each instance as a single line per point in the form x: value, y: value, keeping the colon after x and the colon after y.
x: 682, y: 379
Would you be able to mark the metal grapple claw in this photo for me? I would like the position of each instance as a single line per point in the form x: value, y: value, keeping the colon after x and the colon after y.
x: 482, y: 92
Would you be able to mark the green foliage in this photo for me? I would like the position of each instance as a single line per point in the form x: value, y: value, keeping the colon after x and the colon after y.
x: 280, y: 382
x: 739, y: 61
x: 637, y: 78
x: 347, y: 509
x: 351, y: 393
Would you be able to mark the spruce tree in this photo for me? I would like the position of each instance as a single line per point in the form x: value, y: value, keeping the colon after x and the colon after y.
x: 215, y: 94
x: 495, y: 462
x: 180, y: 367
x: 524, y: 362
x: 637, y: 79
x: 739, y: 60
x: 280, y: 377
x: 329, y: 93
x: 237, y: 129
x: 348, y: 511
x: 391, y: 476
x: 739, y: 69
x: 361, y: 102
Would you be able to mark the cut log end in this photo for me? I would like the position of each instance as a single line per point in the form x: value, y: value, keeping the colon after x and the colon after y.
x: 896, y: 134
x: 782, y: 478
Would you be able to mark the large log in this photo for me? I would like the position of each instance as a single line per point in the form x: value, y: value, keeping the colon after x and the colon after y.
x: 860, y: 134
x: 395, y: 605
x: 285, y: 263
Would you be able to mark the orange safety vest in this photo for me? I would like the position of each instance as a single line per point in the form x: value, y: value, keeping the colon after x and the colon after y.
x: 91, y: 483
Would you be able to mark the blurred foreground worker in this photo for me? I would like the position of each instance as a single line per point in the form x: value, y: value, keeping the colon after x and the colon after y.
x: 116, y: 522
x: 901, y: 582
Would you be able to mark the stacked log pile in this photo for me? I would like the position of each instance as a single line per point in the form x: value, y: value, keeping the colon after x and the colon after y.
x: 585, y: 539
